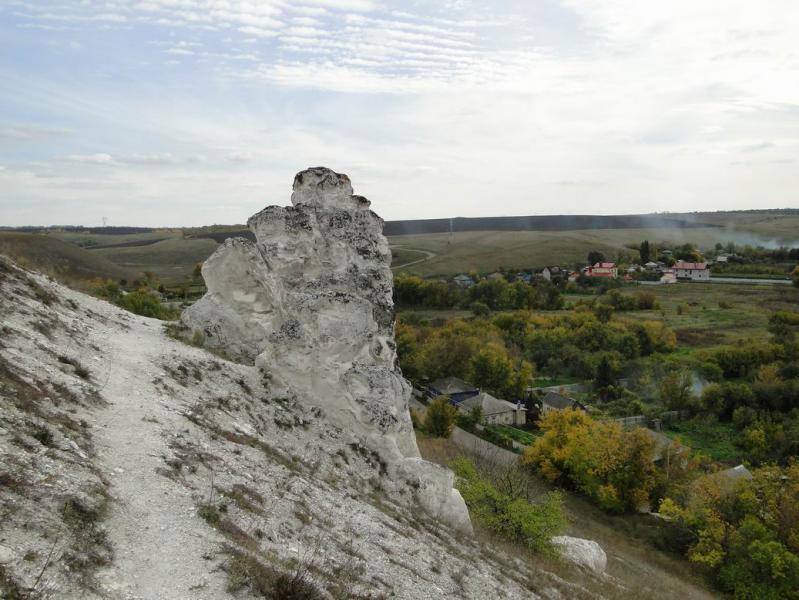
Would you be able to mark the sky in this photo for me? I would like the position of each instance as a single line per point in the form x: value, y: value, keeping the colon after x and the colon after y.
x: 196, y: 112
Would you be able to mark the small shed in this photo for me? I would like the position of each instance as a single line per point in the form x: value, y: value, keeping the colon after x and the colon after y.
x: 662, y: 446
x: 457, y: 389
x: 554, y: 401
x: 463, y: 281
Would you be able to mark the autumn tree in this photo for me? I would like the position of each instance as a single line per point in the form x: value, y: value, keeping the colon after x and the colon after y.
x: 440, y: 417
x: 491, y: 368
x: 611, y: 466
x: 676, y: 391
x: 746, y: 530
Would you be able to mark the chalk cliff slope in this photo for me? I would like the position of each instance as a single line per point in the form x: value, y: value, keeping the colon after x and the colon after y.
x: 135, y: 466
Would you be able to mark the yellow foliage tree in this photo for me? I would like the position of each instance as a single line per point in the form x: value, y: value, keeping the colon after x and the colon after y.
x: 612, y: 466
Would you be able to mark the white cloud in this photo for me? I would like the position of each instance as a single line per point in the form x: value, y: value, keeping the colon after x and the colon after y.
x: 24, y: 132
x: 100, y: 158
x: 105, y: 159
x: 609, y: 106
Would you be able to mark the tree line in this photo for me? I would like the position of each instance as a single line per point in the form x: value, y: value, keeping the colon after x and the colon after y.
x: 496, y: 294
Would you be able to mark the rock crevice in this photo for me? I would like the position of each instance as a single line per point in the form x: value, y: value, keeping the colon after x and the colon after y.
x: 310, y: 303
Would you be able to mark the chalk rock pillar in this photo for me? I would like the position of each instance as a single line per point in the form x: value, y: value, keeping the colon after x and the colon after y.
x: 310, y: 302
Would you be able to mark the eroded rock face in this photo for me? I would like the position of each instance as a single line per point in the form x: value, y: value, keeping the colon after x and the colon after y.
x: 310, y: 302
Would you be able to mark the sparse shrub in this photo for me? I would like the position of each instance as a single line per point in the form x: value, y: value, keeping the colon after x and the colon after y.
x: 210, y: 513
x: 530, y: 523
x: 416, y: 420
x: 9, y: 586
x: 80, y: 370
x: 143, y: 302
x: 440, y: 417
x: 43, y: 435
x: 723, y: 304
x: 90, y: 546
x: 265, y: 581
x: 198, y: 339
x: 107, y: 289
x: 42, y: 295
x: 43, y: 327
x: 646, y: 301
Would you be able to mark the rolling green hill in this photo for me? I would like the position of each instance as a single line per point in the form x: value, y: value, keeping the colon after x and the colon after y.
x: 60, y: 259
x: 171, y: 254
x: 485, y: 251
x: 172, y: 260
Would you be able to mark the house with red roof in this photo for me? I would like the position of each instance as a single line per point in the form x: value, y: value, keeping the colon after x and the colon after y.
x: 692, y: 271
x: 603, y: 269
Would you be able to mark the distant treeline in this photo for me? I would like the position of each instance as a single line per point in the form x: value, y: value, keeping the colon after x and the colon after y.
x: 221, y: 236
x: 81, y: 229
x: 538, y: 223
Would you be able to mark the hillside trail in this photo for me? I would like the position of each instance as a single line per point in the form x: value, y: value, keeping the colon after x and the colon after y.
x: 427, y: 256
x: 158, y: 539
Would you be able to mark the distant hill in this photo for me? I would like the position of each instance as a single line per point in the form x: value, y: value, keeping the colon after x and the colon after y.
x: 60, y: 259
x: 539, y: 223
x: 423, y: 247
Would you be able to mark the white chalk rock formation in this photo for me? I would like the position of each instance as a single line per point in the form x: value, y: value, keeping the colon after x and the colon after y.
x: 310, y: 302
x: 586, y: 553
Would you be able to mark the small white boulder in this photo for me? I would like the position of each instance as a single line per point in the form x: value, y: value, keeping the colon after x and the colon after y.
x: 586, y: 553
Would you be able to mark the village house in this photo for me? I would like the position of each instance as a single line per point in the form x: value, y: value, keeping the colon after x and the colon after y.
x: 526, y: 277
x: 692, y: 271
x: 652, y: 266
x: 496, y: 276
x: 726, y: 480
x: 554, y: 402
x: 553, y: 273
x: 664, y: 448
x: 463, y: 281
x: 668, y: 276
x: 603, y: 269
x: 457, y: 389
x: 495, y: 411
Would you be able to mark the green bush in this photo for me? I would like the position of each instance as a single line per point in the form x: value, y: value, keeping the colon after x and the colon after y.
x: 440, y: 418
x: 144, y: 303
x: 107, y: 289
x: 532, y: 524
x: 480, y: 309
